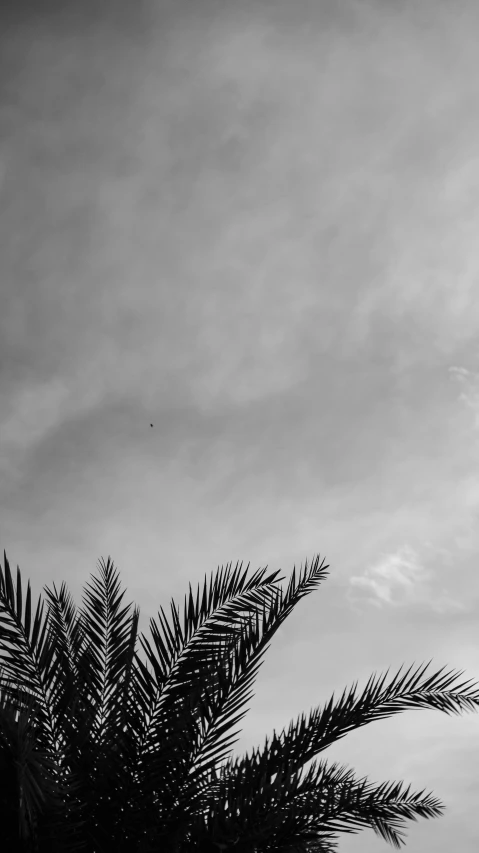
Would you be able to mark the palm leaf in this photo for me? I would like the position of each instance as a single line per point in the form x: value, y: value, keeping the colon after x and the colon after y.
x: 137, y: 753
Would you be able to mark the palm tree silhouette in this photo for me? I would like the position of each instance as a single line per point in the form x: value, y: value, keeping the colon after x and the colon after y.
x: 99, y: 754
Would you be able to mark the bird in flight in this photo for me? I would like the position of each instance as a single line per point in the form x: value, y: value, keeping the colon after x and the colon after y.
x: 151, y: 424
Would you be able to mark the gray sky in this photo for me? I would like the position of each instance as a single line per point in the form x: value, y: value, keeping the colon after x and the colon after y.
x: 254, y: 225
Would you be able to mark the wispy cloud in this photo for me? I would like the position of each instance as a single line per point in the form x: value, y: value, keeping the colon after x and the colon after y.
x: 32, y: 412
x: 400, y: 579
x: 470, y: 382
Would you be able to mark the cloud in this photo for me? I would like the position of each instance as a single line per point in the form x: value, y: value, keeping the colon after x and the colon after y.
x: 399, y: 579
x: 470, y: 381
x: 38, y: 409
x: 33, y: 411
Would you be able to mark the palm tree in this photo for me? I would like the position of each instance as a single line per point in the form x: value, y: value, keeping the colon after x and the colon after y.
x: 99, y: 754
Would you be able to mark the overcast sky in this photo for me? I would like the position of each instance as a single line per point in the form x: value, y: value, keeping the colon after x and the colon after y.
x: 254, y: 225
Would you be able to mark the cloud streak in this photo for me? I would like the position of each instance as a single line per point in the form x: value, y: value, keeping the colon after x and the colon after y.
x: 400, y: 579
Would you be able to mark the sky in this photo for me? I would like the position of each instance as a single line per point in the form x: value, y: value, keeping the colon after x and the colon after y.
x: 254, y: 225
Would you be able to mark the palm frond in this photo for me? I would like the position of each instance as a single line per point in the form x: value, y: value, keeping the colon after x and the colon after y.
x: 135, y: 755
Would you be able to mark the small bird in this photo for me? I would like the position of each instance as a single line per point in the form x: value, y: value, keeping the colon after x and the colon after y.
x: 151, y: 424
